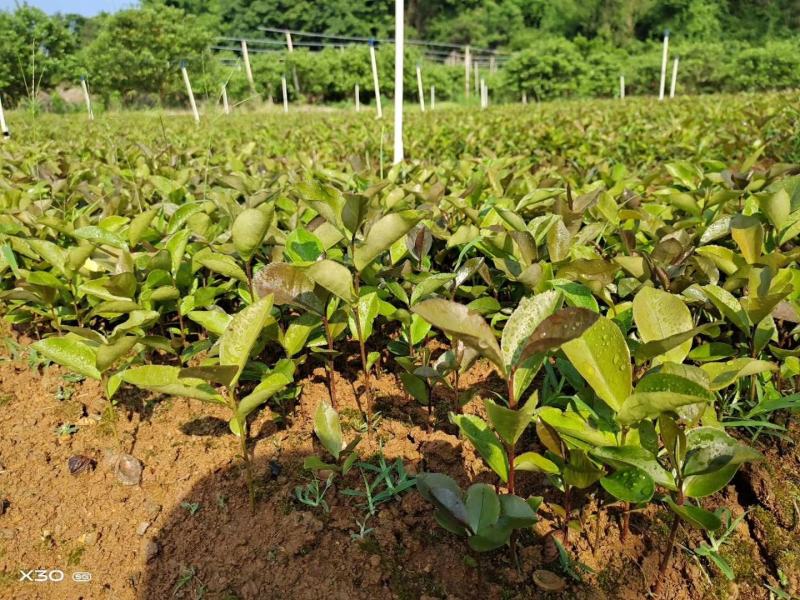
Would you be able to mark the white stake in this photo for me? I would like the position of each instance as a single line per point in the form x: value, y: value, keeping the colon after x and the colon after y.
x: 467, y: 69
x: 358, y: 99
x: 484, y: 94
x: 492, y: 64
x: 3, y: 126
x: 285, y: 95
x: 622, y: 87
x: 225, y: 107
x: 86, y: 98
x: 375, y: 82
x: 664, y: 58
x: 247, y: 70
x: 399, y: 42
x: 190, y: 93
x: 289, y: 42
x: 290, y: 48
x: 674, y: 78
x: 433, y: 97
x: 420, y: 90
x: 477, y: 79
x: 524, y: 97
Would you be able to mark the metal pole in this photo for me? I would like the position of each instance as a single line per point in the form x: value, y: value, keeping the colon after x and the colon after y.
x: 190, y: 93
x: 86, y: 98
x: 248, y: 71
x: 375, y: 82
x: 664, y: 58
x: 225, y: 107
x: 674, y: 78
x: 399, y: 40
x: 420, y: 90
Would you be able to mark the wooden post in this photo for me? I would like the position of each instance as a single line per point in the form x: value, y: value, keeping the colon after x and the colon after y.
x: 420, y: 91
x: 433, y: 97
x: 375, y: 82
x: 664, y: 59
x: 285, y: 95
x: 467, y: 69
x: 86, y: 98
x: 190, y: 93
x: 247, y: 70
x: 290, y: 48
x: 358, y: 99
x: 225, y: 107
x: 674, y: 78
x: 399, y: 42
x: 3, y: 125
x: 622, y: 87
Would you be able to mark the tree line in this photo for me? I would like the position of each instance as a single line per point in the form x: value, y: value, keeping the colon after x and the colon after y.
x: 556, y: 49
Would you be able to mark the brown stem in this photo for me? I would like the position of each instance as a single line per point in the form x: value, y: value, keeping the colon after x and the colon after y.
x: 248, y: 267
x: 662, y: 568
x: 567, y: 510
x: 626, y: 521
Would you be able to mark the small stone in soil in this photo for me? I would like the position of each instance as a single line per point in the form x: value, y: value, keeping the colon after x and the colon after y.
x: 80, y: 463
x: 152, y: 508
x: 150, y: 550
x: 275, y: 468
x: 143, y: 527
x: 128, y: 469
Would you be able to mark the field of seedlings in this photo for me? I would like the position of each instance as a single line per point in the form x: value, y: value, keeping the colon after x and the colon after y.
x: 553, y: 354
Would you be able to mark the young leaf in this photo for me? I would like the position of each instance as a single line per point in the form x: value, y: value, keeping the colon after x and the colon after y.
x: 530, y: 312
x: 285, y: 282
x: 629, y: 485
x: 383, y: 233
x: 166, y: 380
x: 328, y: 429
x: 694, y: 515
x: 249, y: 230
x: 659, y: 315
x: 460, y: 323
x: 558, y: 329
x: 489, y: 447
x: 510, y: 424
x: 602, y: 358
x: 71, y: 353
x: 241, y: 334
x: 535, y: 462
x: 483, y: 506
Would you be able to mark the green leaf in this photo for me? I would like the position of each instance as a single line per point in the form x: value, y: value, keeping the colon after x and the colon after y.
x: 483, y: 507
x: 694, y: 515
x: 602, y: 358
x: 630, y: 484
x: 416, y: 387
x: 712, y: 458
x: 223, y: 375
x: 328, y: 429
x: 659, y: 315
x: 535, y: 462
x: 516, y: 512
x: 334, y: 277
x: 248, y: 231
x: 748, y: 233
x: 728, y: 306
x: 574, y: 426
x: 166, y: 380
x: 776, y: 207
x: 240, y: 336
x: 98, y: 235
x: 635, y: 456
x: 383, y: 233
x: 213, y: 321
x: 644, y: 352
x: 460, y: 323
x: 530, y: 312
x: 70, y: 353
x: 287, y: 283
x: 224, y: 265
x: 139, y: 225
x: 660, y: 392
x: 489, y: 447
x: 724, y: 374
x: 268, y: 387
x: 108, y: 354
x: 580, y: 471
x: 510, y: 424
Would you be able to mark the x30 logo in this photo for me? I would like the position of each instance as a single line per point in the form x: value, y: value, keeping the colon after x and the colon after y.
x: 42, y: 576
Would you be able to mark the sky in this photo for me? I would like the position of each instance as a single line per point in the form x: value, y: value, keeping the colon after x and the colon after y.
x: 82, y: 7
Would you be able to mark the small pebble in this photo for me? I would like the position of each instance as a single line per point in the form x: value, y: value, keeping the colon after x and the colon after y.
x: 151, y: 550
x: 80, y: 463
x: 143, y: 527
x: 128, y: 469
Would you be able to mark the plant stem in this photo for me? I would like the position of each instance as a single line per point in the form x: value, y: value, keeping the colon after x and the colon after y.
x: 329, y: 360
x: 249, y: 272
x: 512, y: 404
x: 662, y: 568
x: 362, y: 348
x: 251, y: 490
x: 567, y: 510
